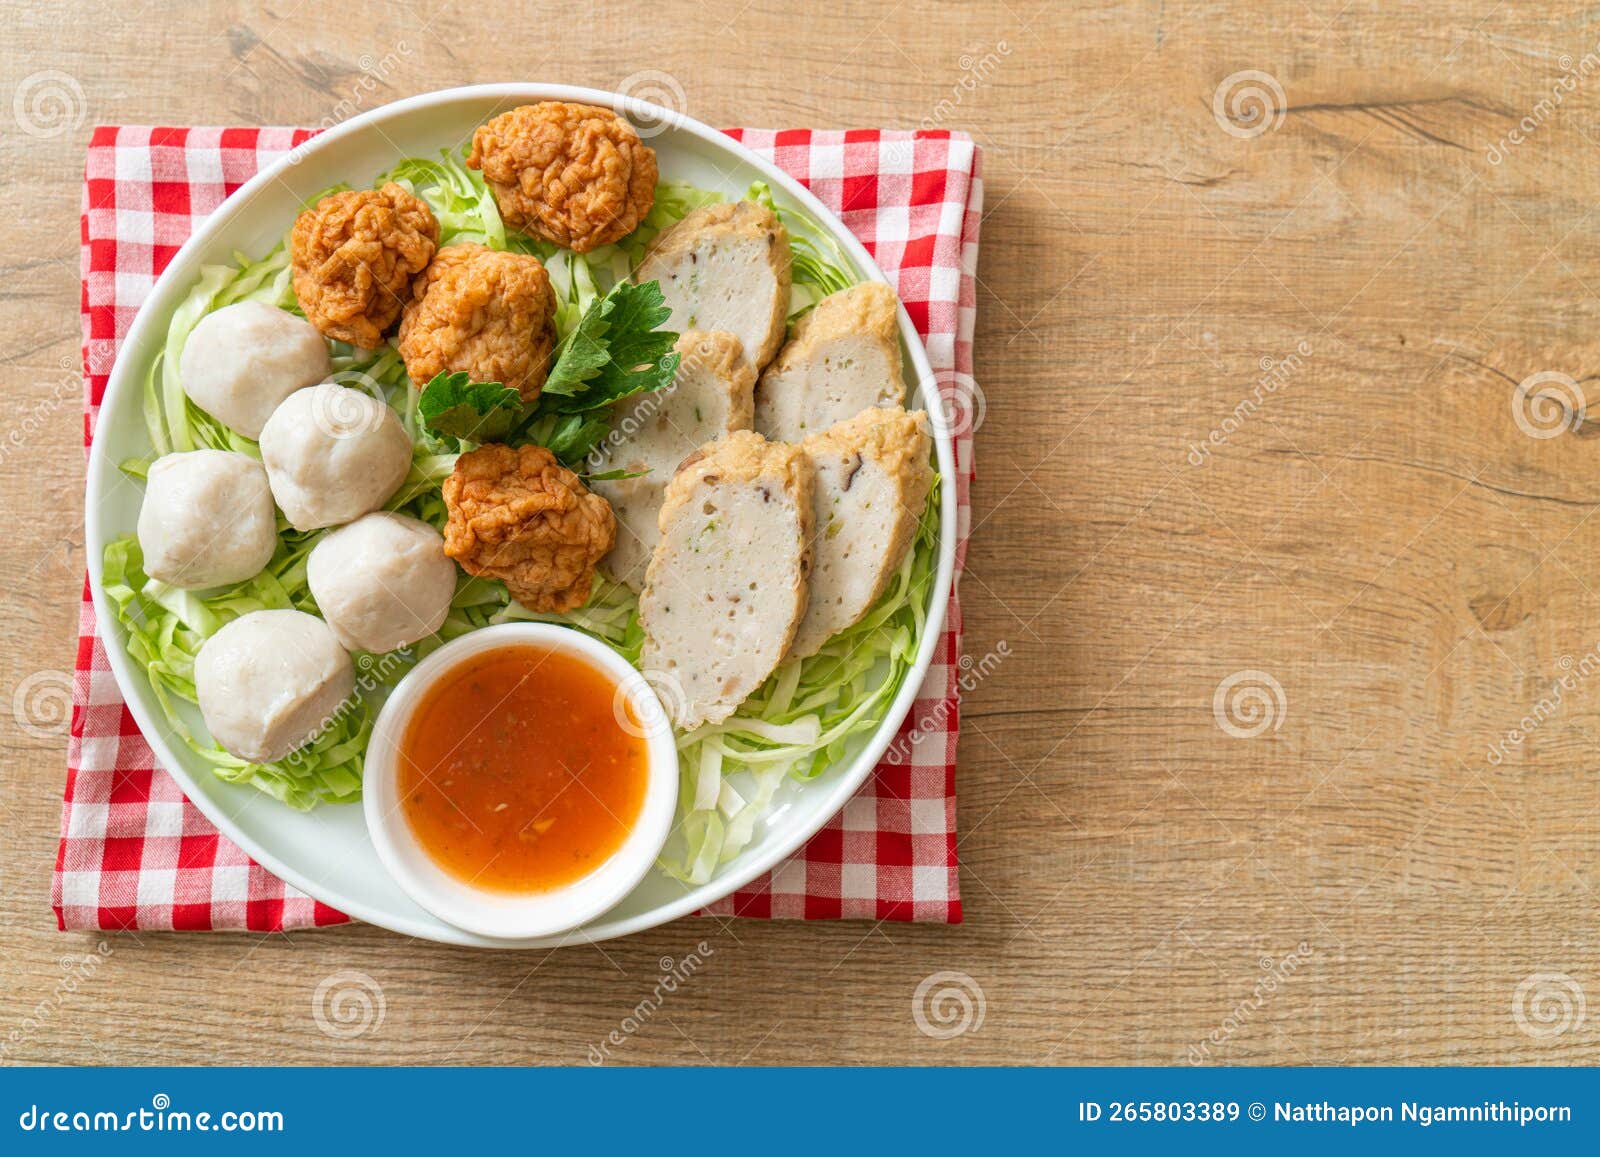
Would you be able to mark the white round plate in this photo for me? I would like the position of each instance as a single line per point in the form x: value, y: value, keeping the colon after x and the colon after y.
x: 326, y: 852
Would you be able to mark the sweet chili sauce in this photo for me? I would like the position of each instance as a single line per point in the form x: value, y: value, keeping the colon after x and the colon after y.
x: 515, y: 774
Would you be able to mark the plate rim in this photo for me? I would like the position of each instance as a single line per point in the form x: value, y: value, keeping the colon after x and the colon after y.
x: 176, y: 277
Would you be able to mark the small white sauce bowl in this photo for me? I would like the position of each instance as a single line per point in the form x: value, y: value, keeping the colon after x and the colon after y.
x: 511, y: 915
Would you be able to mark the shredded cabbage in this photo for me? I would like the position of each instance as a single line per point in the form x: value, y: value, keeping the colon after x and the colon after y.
x: 462, y: 203
x: 803, y: 720
x: 817, y: 265
x: 675, y: 200
x: 166, y: 627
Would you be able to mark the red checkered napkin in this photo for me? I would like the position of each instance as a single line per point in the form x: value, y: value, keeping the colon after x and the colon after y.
x: 136, y: 854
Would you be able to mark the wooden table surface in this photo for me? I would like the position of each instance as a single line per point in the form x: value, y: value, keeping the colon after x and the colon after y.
x: 1293, y: 758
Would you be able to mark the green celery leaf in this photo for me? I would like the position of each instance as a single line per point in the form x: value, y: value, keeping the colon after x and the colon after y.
x: 583, y: 353
x: 454, y: 407
x: 616, y: 351
x: 569, y: 437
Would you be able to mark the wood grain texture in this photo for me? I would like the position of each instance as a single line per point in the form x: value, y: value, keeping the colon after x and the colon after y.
x: 1370, y: 527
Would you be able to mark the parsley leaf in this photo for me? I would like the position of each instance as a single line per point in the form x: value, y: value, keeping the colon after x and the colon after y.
x: 569, y: 437
x: 454, y: 407
x: 616, y: 351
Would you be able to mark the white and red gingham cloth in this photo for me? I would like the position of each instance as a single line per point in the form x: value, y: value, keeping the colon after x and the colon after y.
x: 136, y: 854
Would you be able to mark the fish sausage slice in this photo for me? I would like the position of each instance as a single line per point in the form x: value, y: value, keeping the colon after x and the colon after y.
x: 709, y: 396
x: 727, y: 584
x: 873, y: 476
x: 725, y: 267
x: 844, y: 358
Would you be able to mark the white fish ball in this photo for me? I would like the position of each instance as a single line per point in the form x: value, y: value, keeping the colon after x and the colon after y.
x: 382, y: 582
x: 207, y: 519
x: 333, y: 454
x: 269, y: 681
x: 243, y: 360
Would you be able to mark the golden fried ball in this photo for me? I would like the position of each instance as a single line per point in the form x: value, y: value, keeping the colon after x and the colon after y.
x: 488, y: 313
x: 354, y: 255
x: 519, y: 516
x: 574, y: 174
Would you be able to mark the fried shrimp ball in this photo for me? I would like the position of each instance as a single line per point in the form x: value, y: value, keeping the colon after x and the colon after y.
x: 488, y: 313
x: 520, y: 516
x: 575, y: 174
x: 354, y: 255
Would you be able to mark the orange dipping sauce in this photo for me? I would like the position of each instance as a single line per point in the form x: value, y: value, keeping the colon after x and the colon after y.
x: 515, y: 775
